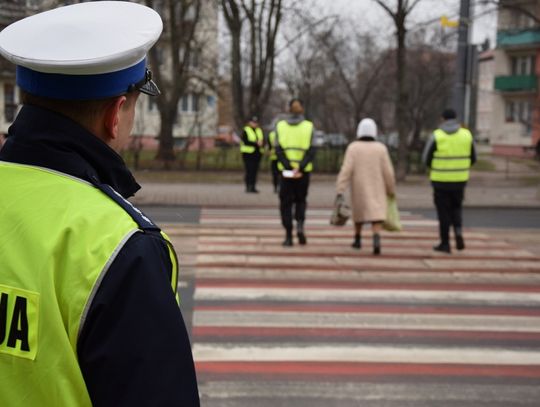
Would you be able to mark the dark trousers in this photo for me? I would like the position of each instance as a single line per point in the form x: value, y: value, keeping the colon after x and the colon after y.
x: 293, y: 192
x: 275, y: 173
x: 251, y: 168
x: 449, y: 205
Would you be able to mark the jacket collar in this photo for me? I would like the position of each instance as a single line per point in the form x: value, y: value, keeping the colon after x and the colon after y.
x: 47, y: 139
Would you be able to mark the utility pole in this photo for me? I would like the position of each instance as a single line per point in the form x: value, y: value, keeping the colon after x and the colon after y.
x: 459, y: 95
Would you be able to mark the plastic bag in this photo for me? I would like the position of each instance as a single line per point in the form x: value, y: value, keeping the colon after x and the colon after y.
x: 392, y: 222
x: 341, y: 212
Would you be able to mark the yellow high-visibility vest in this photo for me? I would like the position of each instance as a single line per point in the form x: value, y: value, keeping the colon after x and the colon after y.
x: 253, y: 135
x: 295, y: 140
x: 452, y: 158
x: 272, y: 142
x: 60, y: 236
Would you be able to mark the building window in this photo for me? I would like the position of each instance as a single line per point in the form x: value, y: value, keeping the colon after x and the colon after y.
x: 152, y: 104
x: 523, y: 65
x: 185, y: 103
x: 10, y: 107
x: 511, y: 111
x: 194, y: 57
x: 519, y: 111
x: 190, y: 103
x: 522, y: 20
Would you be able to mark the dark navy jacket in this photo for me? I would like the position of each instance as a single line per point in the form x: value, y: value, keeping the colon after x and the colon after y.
x: 134, y: 349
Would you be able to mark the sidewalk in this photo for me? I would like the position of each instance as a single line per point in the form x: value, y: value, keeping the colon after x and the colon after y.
x: 484, y: 190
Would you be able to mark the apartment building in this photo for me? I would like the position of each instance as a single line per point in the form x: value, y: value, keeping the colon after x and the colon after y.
x: 515, y: 118
x: 196, y: 121
x: 485, y: 90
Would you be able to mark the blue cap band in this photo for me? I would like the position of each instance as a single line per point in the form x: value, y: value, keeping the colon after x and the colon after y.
x: 79, y: 87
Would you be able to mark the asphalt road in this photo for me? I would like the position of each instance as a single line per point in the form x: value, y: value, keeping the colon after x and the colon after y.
x: 500, y: 218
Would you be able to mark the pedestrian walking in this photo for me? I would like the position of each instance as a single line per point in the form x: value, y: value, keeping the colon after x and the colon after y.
x: 273, y: 160
x: 88, y: 306
x: 251, y: 146
x: 295, y: 154
x: 449, y: 153
x: 368, y: 172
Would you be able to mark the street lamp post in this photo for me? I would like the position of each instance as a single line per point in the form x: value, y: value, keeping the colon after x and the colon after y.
x: 459, y: 96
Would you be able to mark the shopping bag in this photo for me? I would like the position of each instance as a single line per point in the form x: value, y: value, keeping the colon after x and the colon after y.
x: 392, y: 222
x: 341, y: 213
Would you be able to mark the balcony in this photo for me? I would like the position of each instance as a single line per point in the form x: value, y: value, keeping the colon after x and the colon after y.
x: 516, y: 83
x: 518, y: 38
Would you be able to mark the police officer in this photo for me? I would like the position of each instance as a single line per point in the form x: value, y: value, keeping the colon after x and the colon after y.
x: 273, y: 160
x: 87, y: 282
x: 449, y: 154
x: 251, y: 146
x: 295, y: 154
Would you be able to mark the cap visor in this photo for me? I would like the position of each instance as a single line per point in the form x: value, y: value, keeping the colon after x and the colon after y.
x: 150, y: 88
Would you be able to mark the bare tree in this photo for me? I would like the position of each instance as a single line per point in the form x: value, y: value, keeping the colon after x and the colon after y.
x: 399, y: 12
x: 334, y: 68
x: 170, y: 60
x: 262, y: 20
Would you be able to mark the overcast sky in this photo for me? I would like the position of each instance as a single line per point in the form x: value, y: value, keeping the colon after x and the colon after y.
x: 368, y: 13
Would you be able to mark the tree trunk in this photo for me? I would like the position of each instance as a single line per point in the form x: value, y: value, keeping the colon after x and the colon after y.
x: 165, y: 151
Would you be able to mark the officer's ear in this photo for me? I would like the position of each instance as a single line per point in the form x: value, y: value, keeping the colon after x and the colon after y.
x: 111, y: 117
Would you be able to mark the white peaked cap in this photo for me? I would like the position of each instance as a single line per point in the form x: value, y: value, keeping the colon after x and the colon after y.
x: 367, y: 127
x: 103, y: 41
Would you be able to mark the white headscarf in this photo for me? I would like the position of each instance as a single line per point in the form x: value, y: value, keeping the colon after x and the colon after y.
x: 367, y: 127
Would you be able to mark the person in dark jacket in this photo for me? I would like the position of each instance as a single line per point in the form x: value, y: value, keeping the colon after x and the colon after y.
x: 251, y: 145
x: 110, y: 330
x: 449, y: 154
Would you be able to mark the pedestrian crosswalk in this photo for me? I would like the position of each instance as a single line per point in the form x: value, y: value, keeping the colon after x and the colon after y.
x: 327, y: 325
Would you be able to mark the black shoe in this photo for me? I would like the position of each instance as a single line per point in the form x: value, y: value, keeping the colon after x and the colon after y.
x: 301, y: 238
x: 460, y: 243
x: 442, y: 247
x: 287, y: 242
x: 376, y: 244
x: 357, y: 243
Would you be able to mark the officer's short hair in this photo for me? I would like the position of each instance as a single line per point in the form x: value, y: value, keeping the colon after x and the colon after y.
x: 296, y: 106
x: 293, y: 100
x: 81, y: 111
x: 449, y: 114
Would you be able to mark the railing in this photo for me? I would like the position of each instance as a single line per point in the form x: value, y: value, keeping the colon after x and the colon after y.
x: 516, y: 83
x: 517, y: 38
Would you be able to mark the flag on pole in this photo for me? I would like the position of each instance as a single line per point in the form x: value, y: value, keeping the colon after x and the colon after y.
x: 446, y: 22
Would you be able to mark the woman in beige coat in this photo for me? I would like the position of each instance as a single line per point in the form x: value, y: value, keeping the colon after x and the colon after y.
x: 369, y: 173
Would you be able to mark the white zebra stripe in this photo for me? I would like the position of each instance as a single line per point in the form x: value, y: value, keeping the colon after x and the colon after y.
x: 361, y: 295
x: 365, y: 353
x: 413, y: 321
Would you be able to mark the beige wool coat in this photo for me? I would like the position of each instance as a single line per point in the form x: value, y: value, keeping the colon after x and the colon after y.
x: 367, y: 170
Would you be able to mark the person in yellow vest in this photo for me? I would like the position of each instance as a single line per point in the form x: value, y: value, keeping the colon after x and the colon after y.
x: 273, y: 160
x: 251, y: 146
x: 89, y: 312
x: 449, y: 154
x: 295, y: 154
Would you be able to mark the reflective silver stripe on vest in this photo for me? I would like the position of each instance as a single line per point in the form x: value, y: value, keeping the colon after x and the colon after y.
x: 101, y: 277
x: 450, y: 170
x: 466, y: 157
